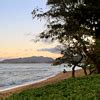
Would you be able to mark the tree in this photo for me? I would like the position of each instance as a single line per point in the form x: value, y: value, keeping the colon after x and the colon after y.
x: 73, y: 20
x: 89, y: 17
x: 73, y: 55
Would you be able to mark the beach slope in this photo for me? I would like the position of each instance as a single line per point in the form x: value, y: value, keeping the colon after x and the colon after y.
x: 59, y: 77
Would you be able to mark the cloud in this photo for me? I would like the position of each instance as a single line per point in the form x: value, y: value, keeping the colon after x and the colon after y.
x: 52, y: 50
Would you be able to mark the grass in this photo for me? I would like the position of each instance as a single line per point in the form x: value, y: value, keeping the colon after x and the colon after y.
x: 84, y: 88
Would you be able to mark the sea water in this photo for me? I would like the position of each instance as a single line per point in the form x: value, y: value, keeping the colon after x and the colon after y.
x: 17, y: 74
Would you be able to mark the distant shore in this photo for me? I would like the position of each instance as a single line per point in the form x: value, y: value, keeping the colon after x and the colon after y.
x: 59, y: 77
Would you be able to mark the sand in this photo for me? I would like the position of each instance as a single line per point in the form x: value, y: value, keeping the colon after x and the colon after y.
x: 59, y: 77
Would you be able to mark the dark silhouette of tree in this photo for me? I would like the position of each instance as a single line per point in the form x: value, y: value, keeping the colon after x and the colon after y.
x: 72, y: 22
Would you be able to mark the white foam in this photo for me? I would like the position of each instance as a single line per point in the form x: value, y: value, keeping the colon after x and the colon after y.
x: 54, y: 70
x: 26, y: 84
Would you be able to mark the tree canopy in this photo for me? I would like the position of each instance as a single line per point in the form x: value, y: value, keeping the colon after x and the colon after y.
x: 72, y: 23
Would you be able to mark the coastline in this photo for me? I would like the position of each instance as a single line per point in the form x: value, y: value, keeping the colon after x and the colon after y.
x: 54, y: 79
x: 26, y: 84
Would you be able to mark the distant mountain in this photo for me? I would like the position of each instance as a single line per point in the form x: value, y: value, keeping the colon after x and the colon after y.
x: 33, y: 59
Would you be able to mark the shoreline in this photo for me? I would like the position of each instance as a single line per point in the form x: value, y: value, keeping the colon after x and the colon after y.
x: 26, y: 84
x: 51, y: 80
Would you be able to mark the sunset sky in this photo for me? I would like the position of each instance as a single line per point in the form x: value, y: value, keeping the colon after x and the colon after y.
x: 17, y: 29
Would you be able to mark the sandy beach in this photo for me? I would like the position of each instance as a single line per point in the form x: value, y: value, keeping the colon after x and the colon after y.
x: 59, y: 77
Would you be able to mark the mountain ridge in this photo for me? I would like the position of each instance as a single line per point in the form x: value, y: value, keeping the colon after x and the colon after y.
x: 33, y: 59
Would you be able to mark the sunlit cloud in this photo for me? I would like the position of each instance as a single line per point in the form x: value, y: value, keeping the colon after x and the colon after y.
x: 52, y: 50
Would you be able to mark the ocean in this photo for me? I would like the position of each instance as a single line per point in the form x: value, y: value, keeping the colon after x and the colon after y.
x: 16, y: 74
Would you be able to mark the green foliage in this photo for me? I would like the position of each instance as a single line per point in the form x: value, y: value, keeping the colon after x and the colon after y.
x: 66, y: 17
x: 85, y: 88
x: 72, y: 22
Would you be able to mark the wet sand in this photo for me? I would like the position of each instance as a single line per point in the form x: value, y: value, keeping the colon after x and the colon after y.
x: 59, y: 77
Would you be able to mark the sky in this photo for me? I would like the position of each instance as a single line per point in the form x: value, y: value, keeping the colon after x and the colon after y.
x: 18, y: 29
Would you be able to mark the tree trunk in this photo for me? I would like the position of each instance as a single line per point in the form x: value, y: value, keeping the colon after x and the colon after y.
x: 85, y: 72
x: 98, y: 68
x: 73, y: 71
x: 90, y: 71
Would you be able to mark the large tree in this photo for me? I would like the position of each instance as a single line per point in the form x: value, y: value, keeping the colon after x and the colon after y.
x: 74, y: 21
